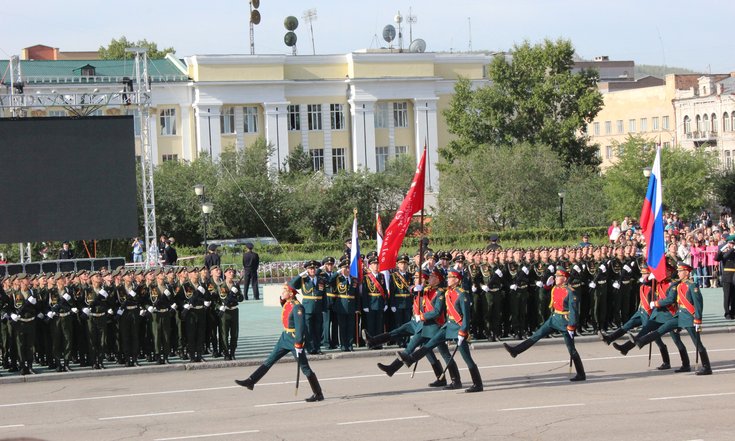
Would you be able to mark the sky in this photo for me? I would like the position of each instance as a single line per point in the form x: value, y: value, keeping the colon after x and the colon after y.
x: 673, y: 32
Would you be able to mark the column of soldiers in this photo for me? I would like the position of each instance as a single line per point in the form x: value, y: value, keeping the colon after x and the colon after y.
x: 123, y: 316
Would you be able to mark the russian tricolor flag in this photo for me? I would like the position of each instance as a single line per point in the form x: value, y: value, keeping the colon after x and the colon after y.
x: 355, y: 261
x: 652, y: 222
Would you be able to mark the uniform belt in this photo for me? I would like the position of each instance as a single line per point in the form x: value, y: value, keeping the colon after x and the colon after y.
x: 64, y: 314
x: 402, y: 295
x: 198, y: 307
x: 729, y: 270
x: 131, y: 307
x: 602, y: 282
x: 312, y: 297
x: 345, y: 296
x: 96, y: 314
x: 625, y: 282
x: 375, y: 295
x: 26, y: 320
x: 231, y: 308
x: 561, y: 312
x: 289, y: 329
x: 161, y: 310
x: 331, y: 294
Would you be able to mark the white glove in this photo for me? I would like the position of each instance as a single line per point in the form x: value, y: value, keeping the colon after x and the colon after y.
x: 571, y: 334
x: 32, y: 300
x: 142, y: 312
x: 150, y: 309
x: 86, y: 311
x: 603, y: 268
x: 120, y: 312
x: 14, y: 317
x: 393, y: 309
x: 616, y: 285
x: 365, y: 310
x: 109, y: 311
x: 66, y: 297
x: 201, y: 289
x: 131, y: 293
x: 525, y: 270
x: 539, y: 283
x: 173, y: 306
x: 4, y: 316
x: 222, y: 308
x: 725, y: 247
x: 417, y: 318
x: 499, y: 273
x: 74, y: 310
x: 460, y: 340
x: 385, y: 308
x: 550, y: 281
x: 642, y: 280
x: 577, y: 268
x: 592, y: 285
x: 187, y: 306
x: 651, y: 276
x: 39, y: 315
x: 50, y: 314
x: 233, y: 290
x: 167, y: 292
x: 103, y: 293
x: 698, y: 327
x: 584, y: 266
x: 652, y: 304
x: 474, y: 288
x: 207, y: 303
x: 299, y: 351
x: 627, y: 268
x: 551, y: 268
x: 418, y: 288
x: 485, y: 288
x: 514, y: 287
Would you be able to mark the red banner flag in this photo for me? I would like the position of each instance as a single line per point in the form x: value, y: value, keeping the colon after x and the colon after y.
x: 396, y: 231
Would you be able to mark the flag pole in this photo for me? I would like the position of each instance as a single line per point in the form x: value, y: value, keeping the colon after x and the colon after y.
x: 421, y: 240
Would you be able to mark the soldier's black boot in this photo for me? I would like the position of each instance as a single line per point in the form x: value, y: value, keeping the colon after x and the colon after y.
x: 160, y: 359
x: 438, y: 371
x: 625, y: 347
x: 59, y: 365
x: 685, y: 366
x: 706, y: 369
x: 476, y: 380
x: 520, y: 347
x: 232, y: 352
x: 26, y: 370
x: 315, y: 388
x: 665, y: 357
x: 253, y: 378
x: 378, y: 340
x: 408, y: 360
x: 454, y: 376
x: 102, y: 362
x: 579, y: 368
x: 609, y: 338
x: 646, y: 339
x: 390, y: 369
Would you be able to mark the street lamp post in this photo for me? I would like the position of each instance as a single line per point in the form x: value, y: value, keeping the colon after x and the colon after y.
x: 561, y: 194
x: 647, y: 172
x: 206, y: 207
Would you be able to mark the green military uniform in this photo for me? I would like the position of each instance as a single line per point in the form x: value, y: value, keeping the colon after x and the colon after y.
x: 374, y: 298
x: 344, y: 307
x: 518, y: 296
x: 312, y: 298
x: 194, y: 317
x: 23, y: 316
x: 226, y: 301
x: 400, y: 298
x: 161, y: 298
x: 543, y: 270
x: 128, y: 313
x: 478, y: 326
x: 61, y: 324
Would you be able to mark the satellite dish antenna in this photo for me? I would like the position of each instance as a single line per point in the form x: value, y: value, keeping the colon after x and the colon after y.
x: 290, y: 39
x: 418, y: 45
x: 255, y: 17
x: 255, y: 3
x: 389, y: 33
x: 291, y: 23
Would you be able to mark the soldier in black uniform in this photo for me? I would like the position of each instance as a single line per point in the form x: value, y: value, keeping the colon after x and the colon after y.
x: 726, y: 257
x: 212, y: 258
x: 23, y: 316
x: 128, y: 313
x: 250, y: 263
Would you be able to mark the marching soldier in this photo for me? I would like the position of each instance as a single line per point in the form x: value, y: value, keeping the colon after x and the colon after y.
x: 312, y: 295
x: 400, y: 301
x: 292, y: 340
x: 563, y: 319
x: 229, y: 296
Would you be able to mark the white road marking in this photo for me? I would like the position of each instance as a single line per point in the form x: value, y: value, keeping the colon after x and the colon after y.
x: 279, y: 404
x: 12, y: 425
x: 692, y: 396
x: 541, y: 407
x: 382, y: 420
x: 208, y: 435
x: 144, y: 415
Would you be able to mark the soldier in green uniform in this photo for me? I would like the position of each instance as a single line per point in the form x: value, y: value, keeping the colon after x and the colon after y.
x: 60, y: 318
x: 312, y: 296
x: 374, y: 297
x: 518, y: 294
x: 227, y: 301
x: 564, y: 304
x: 4, y: 314
x: 329, y: 323
x: 78, y: 283
x: 196, y: 299
x: 23, y: 316
x: 401, y: 282
x: 544, y: 279
x: 128, y: 313
x: 291, y: 341
x: 94, y: 311
x: 598, y: 273
x: 477, y: 327
x: 346, y: 291
x: 178, y: 306
x: 494, y: 296
x: 689, y: 315
x: 161, y: 298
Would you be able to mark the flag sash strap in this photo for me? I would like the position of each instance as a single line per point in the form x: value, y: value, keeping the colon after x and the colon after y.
x: 681, y: 294
x: 645, y: 303
x: 377, y: 284
x: 451, y: 298
x: 662, y: 295
x: 402, y: 279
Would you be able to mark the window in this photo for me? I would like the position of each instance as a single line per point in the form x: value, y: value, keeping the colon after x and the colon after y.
x: 705, y: 125
x: 732, y: 121
x: 631, y: 126
x: 170, y: 158
x: 338, y: 160
x: 401, y: 150
x: 687, y: 124
x: 250, y: 119
x: 227, y: 121
x: 644, y: 124
x: 317, y: 159
x: 88, y: 71
x: 57, y: 113
x: 619, y: 126
x: 728, y: 160
x: 337, y: 117
x: 665, y: 122
x: 294, y: 117
x: 698, y: 123
x: 314, y: 114
x: 381, y: 116
x: 608, y: 152
x: 400, y: 114
x: 381, y: 158
x: 654, y: 123
x: 168, y: 121
x: 667, y: 145
x: 714, y: 123
x: 608, y: 127
x: 596, y: 128
x: 725, y: 122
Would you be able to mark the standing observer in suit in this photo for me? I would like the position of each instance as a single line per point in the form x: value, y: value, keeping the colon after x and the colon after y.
x: 250, y: 263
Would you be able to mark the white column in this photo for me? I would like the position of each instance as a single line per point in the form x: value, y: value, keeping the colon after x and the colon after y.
x: 304, y: 118
x: 427, y: 133
x: 186, y: 135
x: 209, y: 139
x: 239, y: 127
x: 362, y: 114
x: 276, y: 132
x: 327, y: 130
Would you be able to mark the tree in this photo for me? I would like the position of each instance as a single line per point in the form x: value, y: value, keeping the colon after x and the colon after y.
x: 725, y: 188
x: 116, y: 49
x: 686, y: 177
x: 534, y: 98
